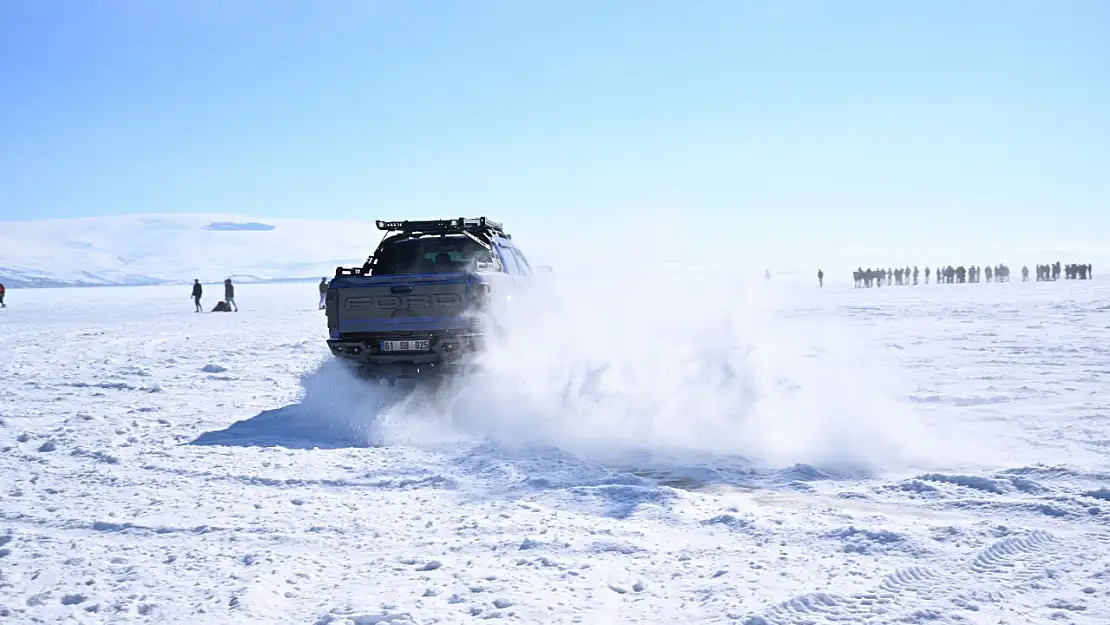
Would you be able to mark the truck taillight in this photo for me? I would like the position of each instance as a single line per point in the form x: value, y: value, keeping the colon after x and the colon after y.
x: 331, y: 308
x: 479, y: 298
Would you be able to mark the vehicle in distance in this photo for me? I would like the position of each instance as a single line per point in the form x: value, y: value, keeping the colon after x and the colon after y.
x: 425, y: 301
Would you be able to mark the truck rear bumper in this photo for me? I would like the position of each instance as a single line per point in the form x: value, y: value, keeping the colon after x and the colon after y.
x: 449, y: 352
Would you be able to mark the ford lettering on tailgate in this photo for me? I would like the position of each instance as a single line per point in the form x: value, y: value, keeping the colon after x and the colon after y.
x: 401, y: 302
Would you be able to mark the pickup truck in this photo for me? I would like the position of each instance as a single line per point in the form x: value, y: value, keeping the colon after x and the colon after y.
x: 425, y: 302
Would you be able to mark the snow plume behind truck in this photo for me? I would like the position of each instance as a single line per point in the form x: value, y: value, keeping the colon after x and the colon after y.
x: 423, y: 303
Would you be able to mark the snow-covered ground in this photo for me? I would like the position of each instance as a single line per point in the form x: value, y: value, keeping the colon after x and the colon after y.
x: 917, y: 454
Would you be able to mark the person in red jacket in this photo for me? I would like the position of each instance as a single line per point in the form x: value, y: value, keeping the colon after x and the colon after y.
x: 2, y: 304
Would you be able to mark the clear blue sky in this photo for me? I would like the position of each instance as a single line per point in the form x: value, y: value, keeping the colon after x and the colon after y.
x: 841, y: 120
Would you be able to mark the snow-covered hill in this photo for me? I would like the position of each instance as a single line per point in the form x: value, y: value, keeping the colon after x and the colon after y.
x: 158, y: 249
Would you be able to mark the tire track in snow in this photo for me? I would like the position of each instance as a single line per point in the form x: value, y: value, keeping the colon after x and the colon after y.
x: 922, y: 594
x: 923, y: 582
x: 1013, y: 554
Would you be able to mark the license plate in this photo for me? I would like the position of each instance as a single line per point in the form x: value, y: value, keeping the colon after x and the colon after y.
x: 406, y: 346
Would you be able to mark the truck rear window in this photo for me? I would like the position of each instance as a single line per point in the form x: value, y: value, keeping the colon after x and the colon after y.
x: 449, y: 254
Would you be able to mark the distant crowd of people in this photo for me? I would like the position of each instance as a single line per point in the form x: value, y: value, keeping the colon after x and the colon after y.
x: 905, y: 276
x: 1048, y: 273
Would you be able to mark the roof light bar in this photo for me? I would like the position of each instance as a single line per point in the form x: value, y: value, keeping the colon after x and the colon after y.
x: 442, y: 225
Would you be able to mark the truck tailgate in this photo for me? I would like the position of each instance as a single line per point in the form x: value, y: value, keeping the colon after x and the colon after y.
x: 394, y: 303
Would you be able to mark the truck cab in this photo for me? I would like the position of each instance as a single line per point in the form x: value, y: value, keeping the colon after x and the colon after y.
x: 425, y: 302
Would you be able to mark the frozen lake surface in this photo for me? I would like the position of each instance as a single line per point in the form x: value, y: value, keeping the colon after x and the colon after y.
x: 897, y: 455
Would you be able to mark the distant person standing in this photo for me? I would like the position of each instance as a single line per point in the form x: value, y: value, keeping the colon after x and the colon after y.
x: 820, y: 278
x: 323, y: 293
x: 2, y: 304
x: 229, y: 294
x: 198, y: 292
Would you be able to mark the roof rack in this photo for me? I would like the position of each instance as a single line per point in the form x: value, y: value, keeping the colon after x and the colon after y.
x: 429, y: 226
